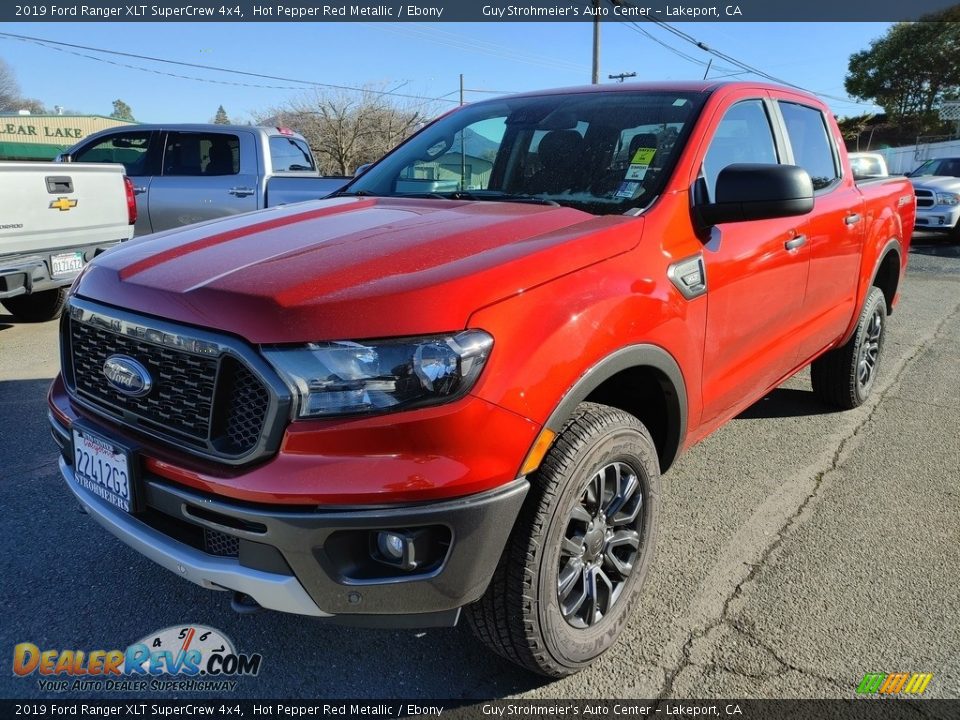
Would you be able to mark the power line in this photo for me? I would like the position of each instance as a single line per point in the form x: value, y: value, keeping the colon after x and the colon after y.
x: 54, y: 44
x: 636, y: 28
x: 443, y: 37
x: 739, y: 63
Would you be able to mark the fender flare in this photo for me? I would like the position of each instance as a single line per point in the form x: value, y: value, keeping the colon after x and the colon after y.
x: 632, y: 356
x: 893, y: 246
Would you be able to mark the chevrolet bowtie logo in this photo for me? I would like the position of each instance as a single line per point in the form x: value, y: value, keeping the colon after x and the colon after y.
x: 62, y: 204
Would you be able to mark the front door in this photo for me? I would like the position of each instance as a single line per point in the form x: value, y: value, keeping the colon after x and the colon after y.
x: 135, y: 151
x: 756, y: 275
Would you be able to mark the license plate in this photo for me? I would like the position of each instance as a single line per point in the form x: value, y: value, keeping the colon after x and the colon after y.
x: 66, y: 263
x: 102, y: 468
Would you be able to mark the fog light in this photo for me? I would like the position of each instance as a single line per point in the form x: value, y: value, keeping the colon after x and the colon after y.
x: 390, y: 546
x: 396, y: 548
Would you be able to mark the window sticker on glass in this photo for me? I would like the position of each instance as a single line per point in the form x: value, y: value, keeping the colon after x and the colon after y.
x: 640, y: 163
x: 628, y: 190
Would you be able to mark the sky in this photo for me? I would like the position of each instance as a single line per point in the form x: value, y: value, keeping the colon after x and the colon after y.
x: 419, y: 59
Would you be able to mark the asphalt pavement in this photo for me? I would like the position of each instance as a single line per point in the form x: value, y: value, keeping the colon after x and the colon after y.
x: 799, y: 549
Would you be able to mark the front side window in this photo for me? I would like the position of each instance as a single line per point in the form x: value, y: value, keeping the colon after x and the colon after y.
x: 601, y: 152
x: 743, y: 136
x: 191, y: 154
x: 127, y: 149
x: 812, y: 149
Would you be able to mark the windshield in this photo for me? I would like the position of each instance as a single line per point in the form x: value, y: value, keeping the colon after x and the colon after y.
x: 944, y: 167
x: 602, y: 152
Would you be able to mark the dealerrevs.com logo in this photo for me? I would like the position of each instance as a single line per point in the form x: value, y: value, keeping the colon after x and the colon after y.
x: 177, y: 658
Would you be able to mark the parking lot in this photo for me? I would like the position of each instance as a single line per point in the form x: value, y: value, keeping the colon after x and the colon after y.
x: 799, y: 549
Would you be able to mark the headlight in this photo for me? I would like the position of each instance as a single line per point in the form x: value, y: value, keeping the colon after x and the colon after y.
x: 948, y: 198
x: 338, y: 378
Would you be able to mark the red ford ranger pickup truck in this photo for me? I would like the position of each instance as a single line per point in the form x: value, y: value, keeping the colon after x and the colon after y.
x: 452, y: 389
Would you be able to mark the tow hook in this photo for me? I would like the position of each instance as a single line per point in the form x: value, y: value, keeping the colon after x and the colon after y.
x: 243, y: 604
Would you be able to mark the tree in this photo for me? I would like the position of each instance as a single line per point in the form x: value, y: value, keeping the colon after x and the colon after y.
x: 348, y: 128
x: 910, y: 70
x: 121, y: 111
x: 221, y: 117
x: 9, y: 89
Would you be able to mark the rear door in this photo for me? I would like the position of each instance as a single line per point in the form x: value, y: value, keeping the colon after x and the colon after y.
x: 205, y: 175
x: 139, y: 153
x: 756, y: 272
x: 834, y: 231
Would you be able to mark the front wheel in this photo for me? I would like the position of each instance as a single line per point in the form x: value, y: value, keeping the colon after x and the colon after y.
x: 38, y: 306
x: 845, y: 376
x: 574, y: 565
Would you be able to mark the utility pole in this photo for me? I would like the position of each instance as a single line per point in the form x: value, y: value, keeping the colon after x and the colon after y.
x: 622, y: 76
x: 596, y: 42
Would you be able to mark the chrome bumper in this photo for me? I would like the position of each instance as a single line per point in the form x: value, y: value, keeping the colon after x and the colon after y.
x: 272, y: 591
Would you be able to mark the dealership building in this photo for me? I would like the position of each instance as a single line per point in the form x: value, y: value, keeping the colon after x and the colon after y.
x: 42, y: 137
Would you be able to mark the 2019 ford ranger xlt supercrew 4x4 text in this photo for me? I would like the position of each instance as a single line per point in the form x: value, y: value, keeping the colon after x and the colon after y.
x: 452, y: 388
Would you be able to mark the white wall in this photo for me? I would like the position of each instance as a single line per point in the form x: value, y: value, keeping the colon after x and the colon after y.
x: 904, y: 159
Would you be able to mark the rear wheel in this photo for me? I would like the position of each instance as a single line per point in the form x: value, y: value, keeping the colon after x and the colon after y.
x: 38, y: 306
x: 574, y: 565
x: 845, y: 376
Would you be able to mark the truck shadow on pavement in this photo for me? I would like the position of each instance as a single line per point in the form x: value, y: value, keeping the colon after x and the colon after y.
x: 935, y: 249
x: 73, y: 564
x: 786, y: 402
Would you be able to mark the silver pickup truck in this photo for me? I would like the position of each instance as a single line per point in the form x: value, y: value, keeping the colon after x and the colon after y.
x: 937, y: 186
x: 53, y: 221
x: 183, y: 174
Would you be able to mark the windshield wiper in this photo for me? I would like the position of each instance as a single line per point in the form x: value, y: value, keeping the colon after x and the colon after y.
x: 497, y: 196
x: 354, y: 193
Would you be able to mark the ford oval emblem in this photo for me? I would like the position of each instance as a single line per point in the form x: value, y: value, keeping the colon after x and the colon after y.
x: 127, y: 376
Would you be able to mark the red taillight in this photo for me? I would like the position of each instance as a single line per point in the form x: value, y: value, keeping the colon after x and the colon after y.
x: 131, y: 201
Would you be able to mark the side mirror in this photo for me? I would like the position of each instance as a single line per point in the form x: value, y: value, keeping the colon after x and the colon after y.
x: 361, y: 169
x: 63, y: 158
x: 757, y: 192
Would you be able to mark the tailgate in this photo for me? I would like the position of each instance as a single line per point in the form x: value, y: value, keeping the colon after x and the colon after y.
x: 51, y: 206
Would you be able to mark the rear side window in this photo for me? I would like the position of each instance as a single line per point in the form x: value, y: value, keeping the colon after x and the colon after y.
x: 290, y: 155
x: 812, y: 149
x: 128, y: 149
x: 189, y: 154
x: 743, y: 136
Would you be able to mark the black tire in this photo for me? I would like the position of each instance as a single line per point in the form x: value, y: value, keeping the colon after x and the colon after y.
x: 522, y: 616
x: 845, y: 376
x: 38, y: 306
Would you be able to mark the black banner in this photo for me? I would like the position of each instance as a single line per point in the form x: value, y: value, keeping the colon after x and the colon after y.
x: 470, y: 11
x: 867, y: 709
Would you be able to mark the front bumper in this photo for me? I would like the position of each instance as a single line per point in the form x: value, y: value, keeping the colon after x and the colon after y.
x: 313, y: 561
x: 938, y: 217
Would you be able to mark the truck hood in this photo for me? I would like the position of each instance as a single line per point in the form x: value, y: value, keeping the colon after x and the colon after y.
x: 352, y: 268
x: 936, y: 183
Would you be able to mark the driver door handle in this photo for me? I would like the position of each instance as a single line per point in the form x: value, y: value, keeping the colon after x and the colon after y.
x: 852, y: 219
x: 794, y: 243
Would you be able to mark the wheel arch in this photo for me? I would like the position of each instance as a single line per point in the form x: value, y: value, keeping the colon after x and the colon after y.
x: 887, y: 271
x: 643, y: 380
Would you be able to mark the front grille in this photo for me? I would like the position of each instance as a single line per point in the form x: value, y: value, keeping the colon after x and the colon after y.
x: 202, y: 398
x: 181, y: 401
x: 924, y: 198
x: 246, y: 406
x: 218, y: 543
